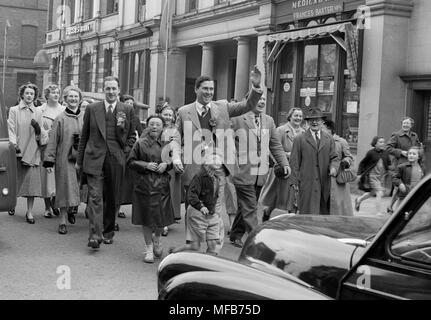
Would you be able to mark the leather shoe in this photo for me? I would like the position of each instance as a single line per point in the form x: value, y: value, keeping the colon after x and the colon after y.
x: 117, y: 227
x: 237, y: 243
x: 71, y: 217
x: 11, y: 212
x: 108, y: 241
x: 94, y: 244
x: 62, y: 229
x: 121, y: 215
x: 29, y: 220
x: 56, y: 212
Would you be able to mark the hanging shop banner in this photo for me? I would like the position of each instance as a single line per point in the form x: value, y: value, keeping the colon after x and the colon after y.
x: 306, y: 9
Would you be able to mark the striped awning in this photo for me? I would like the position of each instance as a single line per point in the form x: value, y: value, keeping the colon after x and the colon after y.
x: 309, y: 33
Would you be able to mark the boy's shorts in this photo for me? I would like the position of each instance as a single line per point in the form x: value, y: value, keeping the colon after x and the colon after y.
x: 202, y: 228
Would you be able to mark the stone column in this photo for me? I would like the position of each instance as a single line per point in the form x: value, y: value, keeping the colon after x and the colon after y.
x: 157, y: 74
x: 382, y: 101
x: 176, y: 83
x: 207, y: 59
x: 242, y: 68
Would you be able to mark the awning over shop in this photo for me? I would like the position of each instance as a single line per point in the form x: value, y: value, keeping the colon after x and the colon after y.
x: 309, y: 33
x: 276, y: 42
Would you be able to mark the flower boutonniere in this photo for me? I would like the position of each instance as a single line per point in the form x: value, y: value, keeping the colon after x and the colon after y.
x: 121, y: 119
x: 213, y: 123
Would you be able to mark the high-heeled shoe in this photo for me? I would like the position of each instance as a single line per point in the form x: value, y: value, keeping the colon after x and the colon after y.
x: 29, y: 220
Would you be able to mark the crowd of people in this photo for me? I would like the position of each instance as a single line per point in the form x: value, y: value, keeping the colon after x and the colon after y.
x: 217, y: 157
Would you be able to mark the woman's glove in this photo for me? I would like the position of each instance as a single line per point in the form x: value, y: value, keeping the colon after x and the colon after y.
x: 36, y: 127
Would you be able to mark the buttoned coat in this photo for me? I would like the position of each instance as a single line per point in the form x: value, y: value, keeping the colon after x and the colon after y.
x: 251, y: 167
x: 92, y: 145
x: 311, y: 166
x: 401, y: 141
x: 193, y: 138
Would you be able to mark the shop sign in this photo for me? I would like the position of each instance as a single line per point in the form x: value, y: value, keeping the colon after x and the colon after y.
x: 77, y: 28
x: 306, y: 9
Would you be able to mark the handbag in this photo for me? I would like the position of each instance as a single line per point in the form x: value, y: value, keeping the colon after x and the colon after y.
x: 345, y: 176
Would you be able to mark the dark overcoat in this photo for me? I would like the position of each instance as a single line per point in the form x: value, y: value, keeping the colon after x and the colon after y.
x: 311, y: 166
x: 151, y: 200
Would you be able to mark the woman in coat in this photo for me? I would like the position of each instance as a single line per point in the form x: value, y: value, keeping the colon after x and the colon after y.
x: 169, y: 133
x: 50, y: 110
x: 151, y: 203
x: 398, y: 145
x: 61, y: 152
x: 341, y: 202
x: 26, y: 133
x: 277, y: 193
x: 372, y: 170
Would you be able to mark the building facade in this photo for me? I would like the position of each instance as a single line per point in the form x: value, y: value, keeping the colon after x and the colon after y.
x: 22, y: 31
x: 363, y: 62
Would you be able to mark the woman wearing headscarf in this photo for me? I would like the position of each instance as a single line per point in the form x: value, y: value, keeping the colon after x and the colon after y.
x: 62, y: 151
x: 50, y: 110
x: 26, y: 133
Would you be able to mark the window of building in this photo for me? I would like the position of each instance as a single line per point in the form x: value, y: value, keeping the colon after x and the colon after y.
x: 29, y: 41
x: 50, y: 15
x: 86, y: 72
x: 286, y: 87
x: 216, y: 2
x: 135, y: 75
x: 318, y: 77
x: 69, y: 12
x: 67, y: 71
x: 54, y: 71
x: 141, y: 6
x: 88, y: 9
x: 107, y: 65
x: 191, y: 5
x: 111, y: 6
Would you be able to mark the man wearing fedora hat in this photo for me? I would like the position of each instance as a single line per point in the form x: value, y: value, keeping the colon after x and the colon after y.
x: 313, y: 162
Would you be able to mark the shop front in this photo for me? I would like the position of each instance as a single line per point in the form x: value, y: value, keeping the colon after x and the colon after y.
x: 316, y: 63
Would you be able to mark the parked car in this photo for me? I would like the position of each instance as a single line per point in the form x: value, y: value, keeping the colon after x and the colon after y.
x: 316, y: 257
x: 7, y: 164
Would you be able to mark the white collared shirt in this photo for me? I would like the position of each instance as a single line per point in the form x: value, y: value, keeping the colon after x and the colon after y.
x: 114, y: 105
x: 200, y: 107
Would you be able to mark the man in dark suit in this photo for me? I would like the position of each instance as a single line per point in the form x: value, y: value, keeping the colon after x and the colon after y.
x: 255, y: 137
x: 314, y: 161
x: 107, y: 136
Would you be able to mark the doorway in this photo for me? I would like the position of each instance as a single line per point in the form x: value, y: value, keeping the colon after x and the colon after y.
x: 421, y: 113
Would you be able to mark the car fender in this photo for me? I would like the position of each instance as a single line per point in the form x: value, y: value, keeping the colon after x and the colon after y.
x: 207, y: 285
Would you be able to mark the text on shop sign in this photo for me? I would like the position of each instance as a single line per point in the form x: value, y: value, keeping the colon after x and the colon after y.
x: 305, y: 9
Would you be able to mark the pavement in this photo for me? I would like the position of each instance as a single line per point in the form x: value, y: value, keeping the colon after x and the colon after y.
x: 35, y: 259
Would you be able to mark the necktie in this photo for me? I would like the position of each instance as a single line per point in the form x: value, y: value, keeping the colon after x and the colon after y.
x: 110, y: 109
x: 317, y: 138
x: 204, y: 111
x: 257, y: 121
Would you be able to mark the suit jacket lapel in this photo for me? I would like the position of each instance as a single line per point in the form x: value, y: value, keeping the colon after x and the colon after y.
x: 323, y: 141
x: 311, y: 140
x: 100, y: 114
x: 193, y: 115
